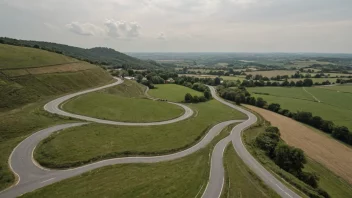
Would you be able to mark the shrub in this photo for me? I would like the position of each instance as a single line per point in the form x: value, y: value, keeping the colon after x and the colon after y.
x: 272, y: 129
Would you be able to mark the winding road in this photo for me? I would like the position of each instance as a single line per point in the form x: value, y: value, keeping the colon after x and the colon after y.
x: 32, y: 176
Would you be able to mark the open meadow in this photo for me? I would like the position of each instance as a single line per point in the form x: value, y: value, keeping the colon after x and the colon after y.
x: 122, y: 107
x: 330, y: 105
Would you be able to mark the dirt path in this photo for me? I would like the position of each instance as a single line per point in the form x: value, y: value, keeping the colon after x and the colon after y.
x: 315, y: 98
x: 325, y: 150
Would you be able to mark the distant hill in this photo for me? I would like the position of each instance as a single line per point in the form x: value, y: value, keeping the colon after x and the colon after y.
x: 97, y: 55
x: 30, y: 75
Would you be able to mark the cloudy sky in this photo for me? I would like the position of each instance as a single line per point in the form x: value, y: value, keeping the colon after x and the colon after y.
x: 184, y: 25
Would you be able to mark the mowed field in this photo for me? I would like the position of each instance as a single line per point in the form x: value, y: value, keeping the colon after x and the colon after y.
x: 334, y: 106
x: 81, y: 145
x: 172, y: 92
x: 318, y: 146
x: 19, y: 57
x: 119, y: 107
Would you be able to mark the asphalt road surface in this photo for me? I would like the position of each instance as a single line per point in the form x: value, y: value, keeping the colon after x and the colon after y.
x: 216, y: 180
x: 54, y: 107
x: 32, y: 176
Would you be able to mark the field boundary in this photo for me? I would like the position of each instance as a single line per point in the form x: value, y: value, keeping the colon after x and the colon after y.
x: 19, y: 68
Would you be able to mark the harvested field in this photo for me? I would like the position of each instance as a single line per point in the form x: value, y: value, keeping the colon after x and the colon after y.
x: 321, y: 148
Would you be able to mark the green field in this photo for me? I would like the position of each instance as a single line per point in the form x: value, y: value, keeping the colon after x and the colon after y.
x: 77, y: 146
x: 333, y: 106
x: 119, y: 108
x: 339, y: 88
x: 19, y: 57
x: 172, y: 92
x: 185, y: 177
x: 240, y: 180
x: 335, y: 186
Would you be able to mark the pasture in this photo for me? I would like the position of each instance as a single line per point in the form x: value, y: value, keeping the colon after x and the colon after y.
x: 333, y: 106
x: 339, y: 88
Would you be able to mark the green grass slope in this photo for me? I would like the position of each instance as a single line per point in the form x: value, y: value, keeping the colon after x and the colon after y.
x: 22, y: 86
x: 13, y: 57
x: 95, y: 55
x: 24, y: 92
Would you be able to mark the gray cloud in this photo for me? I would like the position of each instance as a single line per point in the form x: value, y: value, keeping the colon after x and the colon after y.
x: 188, y: 25
x: 84, y: 29
x: 122, y: 29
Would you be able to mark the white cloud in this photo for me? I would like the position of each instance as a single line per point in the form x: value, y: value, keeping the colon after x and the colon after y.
x: 122, y: 29
x: 84, y: 29
x: 161, y: 36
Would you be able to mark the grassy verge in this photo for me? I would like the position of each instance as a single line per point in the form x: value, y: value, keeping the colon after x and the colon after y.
x: 19, y: 123
x: 335, y: 186
x: 240, y: 180
x: 172, y: 92
x: 81, y: 145
x: 185, y: 177
x: 15, y: 126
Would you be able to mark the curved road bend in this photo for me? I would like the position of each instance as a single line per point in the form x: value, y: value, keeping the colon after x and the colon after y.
x: 32, y: 176
x: 216, y: 180
x: 54, y: 107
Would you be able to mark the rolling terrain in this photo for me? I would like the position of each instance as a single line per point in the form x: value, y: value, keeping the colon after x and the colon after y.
x: 28, y: 79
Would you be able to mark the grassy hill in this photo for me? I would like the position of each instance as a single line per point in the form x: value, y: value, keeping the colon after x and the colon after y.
x: 97, y: 55
x: 28, y: 79
x: 28, y: 75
